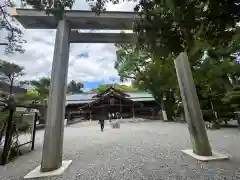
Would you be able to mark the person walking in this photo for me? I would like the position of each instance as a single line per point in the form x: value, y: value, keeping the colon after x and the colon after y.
x: 101, y: 122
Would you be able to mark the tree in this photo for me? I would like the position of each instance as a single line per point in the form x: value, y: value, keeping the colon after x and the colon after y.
x: 9, y: 72
x: 74, y: 87
x: 156, y: 77
x: 215, y: 75
x: 123, y: 88
x: 28, y: 97
x: 8, y: 25
x: 232, y: 97
x: 99, y: 5
x: 55, y: 7
x: 42, y: 86
x: 196, y: 27
x: 167, y: 28
x: 170, y: 27
x: 40, y: 93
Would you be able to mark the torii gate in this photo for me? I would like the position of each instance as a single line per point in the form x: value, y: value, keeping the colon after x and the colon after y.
x: 52, y: 163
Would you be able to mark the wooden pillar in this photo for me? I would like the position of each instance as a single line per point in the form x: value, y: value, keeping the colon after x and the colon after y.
x: 120, y: 106
x: 34, y: 131
x: 69, y: 116
x: 133, y: 111
x: 90, y: 116
x: 164, y: 114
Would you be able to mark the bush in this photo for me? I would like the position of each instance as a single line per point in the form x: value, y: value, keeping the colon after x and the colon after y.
x: 210, y: 119
x: 233, y: 98
x: 208, y: 115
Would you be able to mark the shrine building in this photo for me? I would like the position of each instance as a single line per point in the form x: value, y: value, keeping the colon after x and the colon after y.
x: 125, y: 104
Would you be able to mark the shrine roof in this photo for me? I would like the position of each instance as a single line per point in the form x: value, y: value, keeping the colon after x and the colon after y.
x: 139, y: 94
x: 109, y: 95
x: 79, y: 96
x: 87, y: 98
x: 111, y: 90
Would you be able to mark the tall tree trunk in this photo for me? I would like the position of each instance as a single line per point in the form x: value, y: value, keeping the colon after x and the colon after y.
x: 8, y: 138
x: 169, y: 112
x: 2, y: 131
x: 11, y: 87
x: 166, y: 105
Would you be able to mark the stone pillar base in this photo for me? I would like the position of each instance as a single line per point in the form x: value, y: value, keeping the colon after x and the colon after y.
x: 215, y: 156
x: 36, y: 173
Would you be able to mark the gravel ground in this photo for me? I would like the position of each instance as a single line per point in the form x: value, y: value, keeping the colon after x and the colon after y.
x: 136, y: 151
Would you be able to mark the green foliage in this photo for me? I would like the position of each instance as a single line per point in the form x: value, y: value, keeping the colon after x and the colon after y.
x: 130, y: 61
x: 55, y: 7
x: 122, y: 88
x: 3, y: 123
x: 32, y: 92
x: 126, y: 88
x: 174, y: 26
x: 215, y: 75
x: 23, y: 126
x: 3, y: 117
x: 41, y: 89
x: 200, y: 28
x: 101, y: 88
x: 42, y: 86
x: 28, y: 98
x: 9, y: 72
x: 233, y: 97
x: 11, y: 32
x: 100, y: 5
x: 206, y: 30
x: 147, y: 72
x: 19, y: 126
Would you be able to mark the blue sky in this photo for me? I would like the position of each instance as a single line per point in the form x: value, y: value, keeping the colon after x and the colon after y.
x: 95, y: 84
x: 83, y: 55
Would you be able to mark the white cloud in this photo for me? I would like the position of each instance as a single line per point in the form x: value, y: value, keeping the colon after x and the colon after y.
x: 37, y: 59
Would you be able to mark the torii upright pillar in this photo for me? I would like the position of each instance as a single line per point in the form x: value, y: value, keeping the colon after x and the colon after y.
x: 201, y: 147
x: 53, y: 138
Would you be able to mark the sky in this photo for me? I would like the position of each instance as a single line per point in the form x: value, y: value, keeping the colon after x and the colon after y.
x: 92, y: 64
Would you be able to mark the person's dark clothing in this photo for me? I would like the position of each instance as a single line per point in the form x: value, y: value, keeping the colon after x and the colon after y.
x: 101, y: 121
x: 102, y: 127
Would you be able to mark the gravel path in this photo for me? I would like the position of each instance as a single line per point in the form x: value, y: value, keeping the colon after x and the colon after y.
x: 137, y: 151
